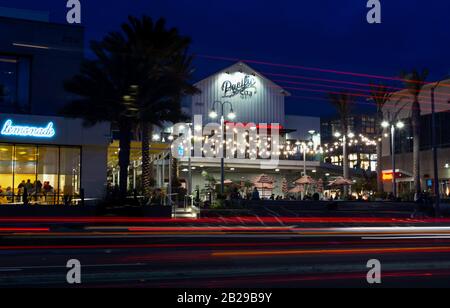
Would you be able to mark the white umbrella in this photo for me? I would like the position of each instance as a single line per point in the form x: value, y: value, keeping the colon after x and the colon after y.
x: 340, y: 181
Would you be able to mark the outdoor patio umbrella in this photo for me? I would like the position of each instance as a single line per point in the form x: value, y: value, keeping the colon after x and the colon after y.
x: 340, y: 181
x: 306, y: 180
x: 296, y: 190
x: 263, y: 181
x: 264, y: 186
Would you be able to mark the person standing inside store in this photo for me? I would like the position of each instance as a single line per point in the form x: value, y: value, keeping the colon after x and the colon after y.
x: 27, y: 192
x: 20, y: 190
x: 29, y: 186
x: 37, y: 190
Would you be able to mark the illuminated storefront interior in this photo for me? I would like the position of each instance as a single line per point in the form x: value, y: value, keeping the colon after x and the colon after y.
x: 51, y: 161
x: 49, y: 173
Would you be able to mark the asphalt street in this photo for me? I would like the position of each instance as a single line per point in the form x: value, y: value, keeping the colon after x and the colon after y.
x: 233, y: 253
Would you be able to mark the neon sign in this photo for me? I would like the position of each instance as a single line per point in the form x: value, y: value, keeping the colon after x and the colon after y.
x: 10, y: 129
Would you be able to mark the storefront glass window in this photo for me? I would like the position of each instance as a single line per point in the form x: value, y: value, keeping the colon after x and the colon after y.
x: 25, y: 159
x: 6, y: 173
x: 70, y: 171
x: 49, y: 174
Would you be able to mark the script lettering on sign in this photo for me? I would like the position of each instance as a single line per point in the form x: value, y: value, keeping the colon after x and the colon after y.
x: 246, y: 88
x: 10, y: 129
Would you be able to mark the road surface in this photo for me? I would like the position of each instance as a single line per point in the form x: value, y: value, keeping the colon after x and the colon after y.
x: 224, y: 253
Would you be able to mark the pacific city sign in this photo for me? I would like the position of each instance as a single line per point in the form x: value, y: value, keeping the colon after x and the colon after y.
x: 246, y: 88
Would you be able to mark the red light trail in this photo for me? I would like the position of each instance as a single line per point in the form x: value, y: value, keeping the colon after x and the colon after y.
x: 229, y: 220
x: 24, y: 229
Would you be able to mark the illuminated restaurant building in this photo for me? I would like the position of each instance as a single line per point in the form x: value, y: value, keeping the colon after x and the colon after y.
x: 249, y: 97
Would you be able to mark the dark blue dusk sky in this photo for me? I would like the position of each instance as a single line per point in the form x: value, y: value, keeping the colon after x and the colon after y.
x: 326, y: 34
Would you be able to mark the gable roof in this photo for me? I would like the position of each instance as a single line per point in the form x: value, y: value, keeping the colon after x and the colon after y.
x: 245, y: 66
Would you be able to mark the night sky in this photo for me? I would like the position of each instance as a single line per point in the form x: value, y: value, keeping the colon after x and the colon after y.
x: 326, y: 34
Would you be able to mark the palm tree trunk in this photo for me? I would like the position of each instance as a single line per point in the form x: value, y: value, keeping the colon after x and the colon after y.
x: 175, y: 173
x: 416, y: 146
x: 380, y: 186
x: 124, y: 156
x: 147, y: 163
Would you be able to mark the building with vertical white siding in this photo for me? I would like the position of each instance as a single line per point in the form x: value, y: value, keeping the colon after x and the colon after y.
x: 252, y: 98
x: 255, y: 98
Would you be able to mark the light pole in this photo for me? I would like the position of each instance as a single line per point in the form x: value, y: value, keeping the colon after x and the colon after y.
x: 345, y: 160
x: 338, y: 135
x: 306, y: 146
x: 399, y: 125
x: 231, y: 116
x: 190, y: 160
x: 303, y: 149
x: 437, y: 191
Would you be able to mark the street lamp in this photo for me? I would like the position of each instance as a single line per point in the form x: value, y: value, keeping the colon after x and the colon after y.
x: 400, y: 125
x: 303, y: 149
x: 393, y: 126
x: 434, y: 147
x: 344, y: 137
x: 213, y: 114
x: 231, y: 116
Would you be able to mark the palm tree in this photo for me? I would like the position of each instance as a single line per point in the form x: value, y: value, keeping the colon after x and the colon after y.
x: 343, y: 102
x: 414, y: 83
x: 103, y: 88
x: 380, y: 95
x: 164, y: 71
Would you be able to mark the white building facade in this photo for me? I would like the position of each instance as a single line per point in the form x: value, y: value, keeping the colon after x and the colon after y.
x: 251, y: 98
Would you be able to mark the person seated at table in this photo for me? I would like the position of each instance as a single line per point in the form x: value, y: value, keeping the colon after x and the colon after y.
x: 3, y: 196
x: 9, y: 192
x: 47, y: 188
